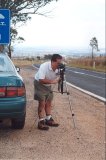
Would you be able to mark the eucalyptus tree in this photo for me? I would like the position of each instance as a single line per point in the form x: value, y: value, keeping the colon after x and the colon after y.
x: 94, y: 45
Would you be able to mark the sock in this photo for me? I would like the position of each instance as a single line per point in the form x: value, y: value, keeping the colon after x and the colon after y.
x: 41, y: 119
x: 48, y: 117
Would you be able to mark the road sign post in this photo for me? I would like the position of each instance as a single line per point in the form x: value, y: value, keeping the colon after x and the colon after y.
x: 4, y: 26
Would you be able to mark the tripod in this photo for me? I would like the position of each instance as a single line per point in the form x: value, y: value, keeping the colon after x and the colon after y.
x: 61, y: 88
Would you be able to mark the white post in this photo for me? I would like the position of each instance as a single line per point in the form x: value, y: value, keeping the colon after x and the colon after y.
x: 94, y: 65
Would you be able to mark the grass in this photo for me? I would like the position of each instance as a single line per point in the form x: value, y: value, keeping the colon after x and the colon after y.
x: 25, y: 62
x: 87, y: 63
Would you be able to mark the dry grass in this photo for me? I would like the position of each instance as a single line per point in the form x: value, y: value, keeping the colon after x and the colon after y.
x: 87, y: 63
x: 25, y: 62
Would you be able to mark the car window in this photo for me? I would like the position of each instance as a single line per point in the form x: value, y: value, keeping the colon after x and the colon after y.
x: 5, y: 65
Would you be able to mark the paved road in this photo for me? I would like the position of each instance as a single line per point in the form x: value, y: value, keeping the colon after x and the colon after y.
x: 88, y: 80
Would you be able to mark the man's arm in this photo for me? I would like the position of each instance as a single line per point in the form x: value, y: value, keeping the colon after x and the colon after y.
x: 47, y: 81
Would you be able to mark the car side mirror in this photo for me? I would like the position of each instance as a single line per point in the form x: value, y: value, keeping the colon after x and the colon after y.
x: 17, y: 69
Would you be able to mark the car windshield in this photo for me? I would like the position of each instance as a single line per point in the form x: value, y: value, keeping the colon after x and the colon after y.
x: 6, y: 65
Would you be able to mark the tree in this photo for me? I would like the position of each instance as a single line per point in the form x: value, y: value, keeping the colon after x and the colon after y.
x: 94, y: 45
x: 47, y: 56
x: 38, y: 57
x: 21, y: 11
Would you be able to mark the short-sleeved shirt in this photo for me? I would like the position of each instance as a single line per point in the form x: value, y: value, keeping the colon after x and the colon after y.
x: 46, y: 72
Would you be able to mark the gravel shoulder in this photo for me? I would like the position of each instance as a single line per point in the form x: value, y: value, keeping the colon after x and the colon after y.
x: 85, y: 142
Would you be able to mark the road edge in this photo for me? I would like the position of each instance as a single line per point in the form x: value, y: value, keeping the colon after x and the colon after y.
x: 87, y: 92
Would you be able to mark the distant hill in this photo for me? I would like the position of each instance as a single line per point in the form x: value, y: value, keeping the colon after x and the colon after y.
x: 40, y: 51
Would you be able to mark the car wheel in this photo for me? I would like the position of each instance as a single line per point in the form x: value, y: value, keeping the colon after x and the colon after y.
x: 18, y: 123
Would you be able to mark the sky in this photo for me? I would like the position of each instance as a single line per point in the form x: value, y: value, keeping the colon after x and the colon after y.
x: 70, y: 24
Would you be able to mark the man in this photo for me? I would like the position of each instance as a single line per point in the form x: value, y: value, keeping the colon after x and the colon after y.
x: 44, y: 78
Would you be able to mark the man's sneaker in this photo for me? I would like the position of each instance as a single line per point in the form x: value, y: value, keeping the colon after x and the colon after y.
x: 42, y: 125
x: 51, y: 122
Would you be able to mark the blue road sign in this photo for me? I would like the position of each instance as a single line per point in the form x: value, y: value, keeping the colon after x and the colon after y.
x: 4, y: 26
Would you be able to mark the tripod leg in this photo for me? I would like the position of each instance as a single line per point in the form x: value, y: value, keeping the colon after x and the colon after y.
x: 70, y: 104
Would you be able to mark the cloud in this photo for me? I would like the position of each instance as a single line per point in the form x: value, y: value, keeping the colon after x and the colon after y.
x: 2, y: 17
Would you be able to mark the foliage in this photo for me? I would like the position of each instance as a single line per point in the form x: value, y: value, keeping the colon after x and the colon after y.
x: 47, y: 56
x: 38, y: 57
x: 21, y: 9
x: 14, y: 35
x: 94, y: 45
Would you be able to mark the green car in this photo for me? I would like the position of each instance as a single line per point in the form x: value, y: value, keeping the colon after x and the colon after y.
x: 12, y: 93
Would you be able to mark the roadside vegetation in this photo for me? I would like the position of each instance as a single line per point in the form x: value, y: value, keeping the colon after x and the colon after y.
x: 26, y: 61
x: 97, y: 64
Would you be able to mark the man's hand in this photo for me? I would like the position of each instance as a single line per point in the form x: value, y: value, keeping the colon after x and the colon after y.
x: 55, y: 80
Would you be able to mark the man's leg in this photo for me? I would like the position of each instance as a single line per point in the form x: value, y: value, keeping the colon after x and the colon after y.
x: 41, y: 109
x: 48, y: 107
x: 49, y: 119
x: 41, y: 114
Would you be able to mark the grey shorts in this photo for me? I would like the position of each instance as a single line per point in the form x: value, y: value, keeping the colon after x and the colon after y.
x: 42, y: 92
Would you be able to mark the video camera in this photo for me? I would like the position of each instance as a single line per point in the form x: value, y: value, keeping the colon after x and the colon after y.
x: 61, y: 67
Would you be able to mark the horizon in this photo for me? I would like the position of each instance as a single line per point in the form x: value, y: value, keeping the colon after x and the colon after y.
x: 42, y: 50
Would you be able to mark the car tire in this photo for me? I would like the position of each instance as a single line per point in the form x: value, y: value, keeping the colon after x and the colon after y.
x: 18, y: 123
